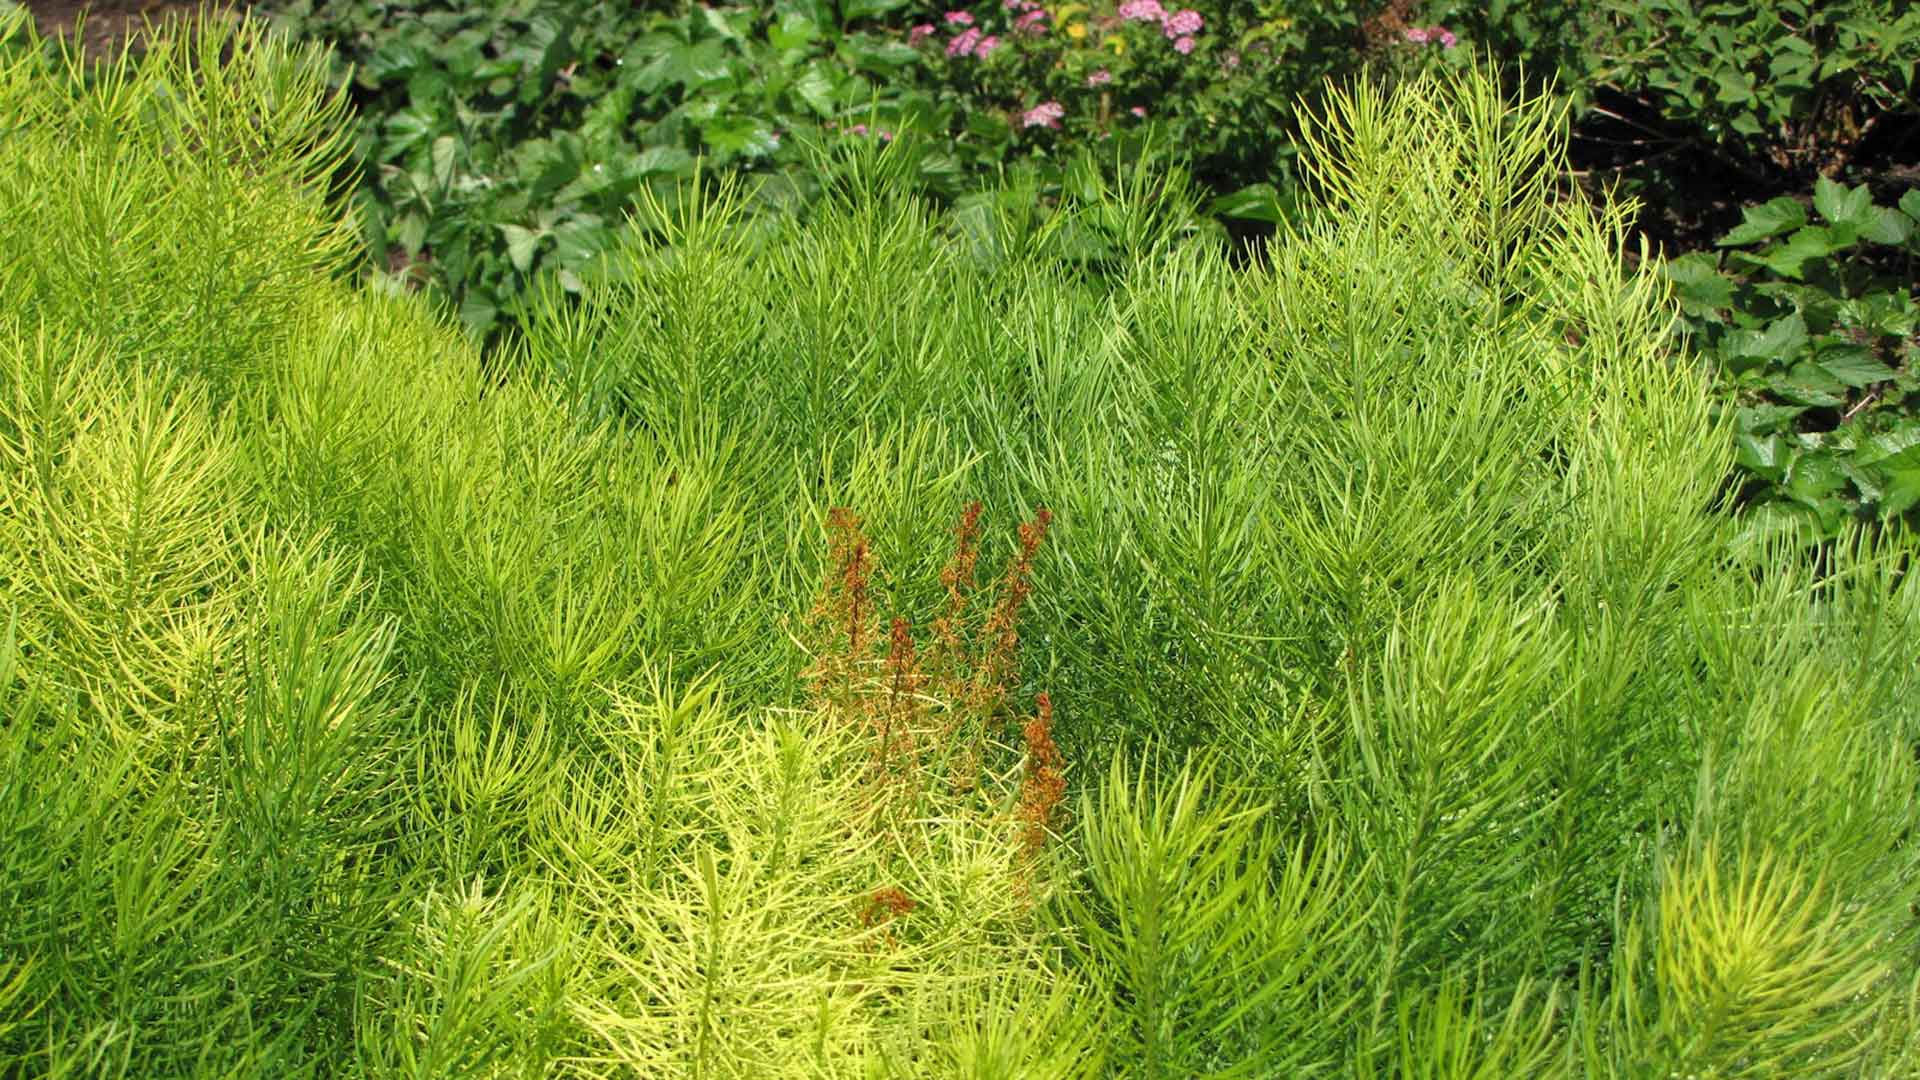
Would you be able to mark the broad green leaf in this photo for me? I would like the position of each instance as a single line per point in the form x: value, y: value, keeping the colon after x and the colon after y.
x: 882, y: 58
x: 1787, y: 260
x: 1697, y: 281
x: 1853, y: 365
x: 1896, y: 449
x: 581, y: 240
x: 1766, y: 455
x: 1758, y: 419
x: 1780, y: 216
x: 1889, y: 226
x: 1910, y: 204
x: 1841, y: 205
x: 393, y: 61
x: 410, y: 232
x: 661, y: 159
x: 792, y: 31
x: 1902, y: 491
x: 1813, y: 478
x: 723, y: 23
x: 1256, y: 202
x: 521, y: 242
x: 445, y: 149
x: 1782, y: 339
x: 478, y: 313
x: 816, y: 87
x: 739, y: 135
x: 1807, y: 384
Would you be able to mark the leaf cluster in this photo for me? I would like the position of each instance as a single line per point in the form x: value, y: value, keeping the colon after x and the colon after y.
x: 1812, y: 326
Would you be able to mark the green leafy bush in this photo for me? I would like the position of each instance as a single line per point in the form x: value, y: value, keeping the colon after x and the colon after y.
x: 1026, y: 82
x: 1793, y: 86
x: 366, y: 712
x: 1815, y: 326
x: 507, y: 140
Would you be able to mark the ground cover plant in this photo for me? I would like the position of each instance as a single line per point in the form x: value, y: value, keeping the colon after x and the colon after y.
x: 502, y: 142
x: 883, y: 646
x: 1815, y: 322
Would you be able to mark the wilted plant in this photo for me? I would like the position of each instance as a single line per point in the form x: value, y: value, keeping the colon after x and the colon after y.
x: 941, y: 704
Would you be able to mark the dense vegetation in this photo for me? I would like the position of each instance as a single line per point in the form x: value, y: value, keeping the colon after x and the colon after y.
x: 898, y: 643
x: 503, y: 143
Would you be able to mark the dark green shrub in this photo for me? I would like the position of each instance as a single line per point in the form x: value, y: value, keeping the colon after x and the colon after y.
x: 1021, y: 81
x: 508, y: 139
x: 1812, y: 327
x: 1785, y: 88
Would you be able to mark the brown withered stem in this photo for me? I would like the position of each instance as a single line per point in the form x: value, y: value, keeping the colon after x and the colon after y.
x: 884, y: 906
x: 949, y: 630
x: 996, y: 670
x: 971, y: 663
x: 904, y: 703
x: 1042, y: 787
x: 841, y: 618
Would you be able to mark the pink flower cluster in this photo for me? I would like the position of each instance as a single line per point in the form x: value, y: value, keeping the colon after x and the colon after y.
x: 1179, y: 26
x: 1436, y: 35
x: 968, y: 42
x: 1046, y: 114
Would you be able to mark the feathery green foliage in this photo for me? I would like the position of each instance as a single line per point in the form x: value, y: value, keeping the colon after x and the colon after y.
x: 368, y: 711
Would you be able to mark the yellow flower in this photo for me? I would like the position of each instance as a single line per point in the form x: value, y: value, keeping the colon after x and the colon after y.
x: 1076, y: 31
x: 1117, y: 43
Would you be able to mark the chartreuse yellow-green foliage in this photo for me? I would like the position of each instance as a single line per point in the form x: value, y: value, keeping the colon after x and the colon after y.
x: 371, y: 708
